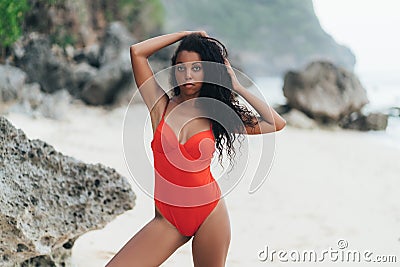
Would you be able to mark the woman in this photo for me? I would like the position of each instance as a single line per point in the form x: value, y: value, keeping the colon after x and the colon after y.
x: 180, y: 212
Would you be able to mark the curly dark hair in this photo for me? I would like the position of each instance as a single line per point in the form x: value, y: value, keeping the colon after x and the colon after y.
x: 218, y: 87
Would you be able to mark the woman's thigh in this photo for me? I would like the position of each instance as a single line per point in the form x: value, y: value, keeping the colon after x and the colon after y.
x: 151, y: 246
x: 211, y: 242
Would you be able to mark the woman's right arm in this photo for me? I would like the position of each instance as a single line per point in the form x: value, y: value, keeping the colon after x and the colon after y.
x: 148, y: 87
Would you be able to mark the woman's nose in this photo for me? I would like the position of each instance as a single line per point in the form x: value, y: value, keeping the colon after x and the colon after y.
x: 188, y: 74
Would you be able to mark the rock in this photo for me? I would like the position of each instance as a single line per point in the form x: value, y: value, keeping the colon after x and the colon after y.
x: 54, y: 69
x: 89, y: 54
x: 42, y: 65
x: 11, y: 82
x: 82, y: 22
x: 92, y: 55
x: 50, y: 67
x: 298, y: 119
x: 394, y: 111
x: 36, y: 103
x: 106, y: 84
x: 28, y: 98
x: 324, y: 92
x: 373, y: 121
x: 282, y: 109
x: 377, y: 121
x: 82, y: 74
x: 70, y: 51
x: 116, y: 43
x: 68, y: 21
x: 48, y: 200
x: 275, y: 37
x: 115, y: 74
x: 97, y: 74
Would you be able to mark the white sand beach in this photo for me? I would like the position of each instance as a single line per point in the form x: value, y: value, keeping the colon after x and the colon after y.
x: 324, y: 186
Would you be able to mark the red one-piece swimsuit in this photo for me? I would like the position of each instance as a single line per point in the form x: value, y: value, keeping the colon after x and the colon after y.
x: 185, y: 192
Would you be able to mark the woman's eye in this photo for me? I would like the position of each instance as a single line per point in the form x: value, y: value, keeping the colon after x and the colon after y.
x: 180, y: 68
x: 196, y: 68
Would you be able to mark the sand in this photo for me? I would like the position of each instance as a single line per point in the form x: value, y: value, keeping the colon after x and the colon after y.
x: 323, y: 186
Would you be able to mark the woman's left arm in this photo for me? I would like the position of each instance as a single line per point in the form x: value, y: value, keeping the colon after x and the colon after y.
x: 270, y: 120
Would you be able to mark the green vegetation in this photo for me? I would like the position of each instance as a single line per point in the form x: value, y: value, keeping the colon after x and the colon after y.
x: 144, y: 18
x: 11, y: 13
x: 12, y: 16
x: 62, y: 37
x: 53, y: 2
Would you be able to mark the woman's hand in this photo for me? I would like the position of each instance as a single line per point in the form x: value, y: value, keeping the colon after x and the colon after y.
x: 202, y: 33
x: 235, y: 82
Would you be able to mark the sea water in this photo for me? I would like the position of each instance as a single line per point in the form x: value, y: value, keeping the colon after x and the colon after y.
x: 383, y: 91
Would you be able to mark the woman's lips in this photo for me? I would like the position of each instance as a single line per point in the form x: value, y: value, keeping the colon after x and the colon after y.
x: 188, y: 85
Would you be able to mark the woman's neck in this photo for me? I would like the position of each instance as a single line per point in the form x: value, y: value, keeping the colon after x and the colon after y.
x: 189, y: 100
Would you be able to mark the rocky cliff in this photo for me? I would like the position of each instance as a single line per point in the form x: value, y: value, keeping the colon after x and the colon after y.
x: 82, y: 22
x: 270, y: 37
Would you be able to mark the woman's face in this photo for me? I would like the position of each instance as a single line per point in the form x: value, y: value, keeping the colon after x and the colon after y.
x: 189, y: 72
